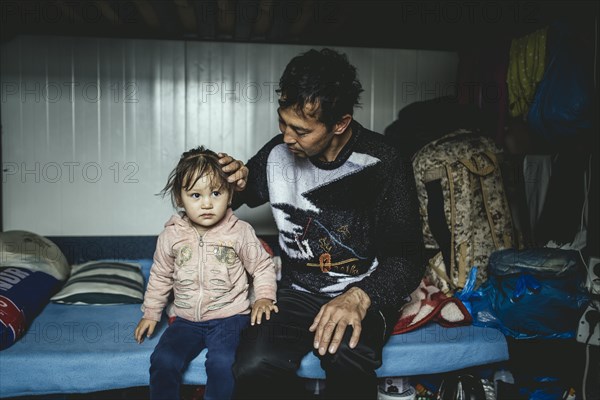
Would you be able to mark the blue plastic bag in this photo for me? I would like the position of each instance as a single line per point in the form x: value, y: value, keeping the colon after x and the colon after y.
x: 468, y: 290
x: 535, y: 293
x: 562, y: 108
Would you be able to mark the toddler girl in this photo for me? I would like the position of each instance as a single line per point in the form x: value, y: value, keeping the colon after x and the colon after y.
x: 203, y: 256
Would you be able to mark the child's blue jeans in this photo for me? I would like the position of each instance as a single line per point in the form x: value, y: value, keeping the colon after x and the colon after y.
x: 182, y: 341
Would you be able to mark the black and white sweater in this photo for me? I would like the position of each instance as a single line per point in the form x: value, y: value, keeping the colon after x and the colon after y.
x: 350, y: 222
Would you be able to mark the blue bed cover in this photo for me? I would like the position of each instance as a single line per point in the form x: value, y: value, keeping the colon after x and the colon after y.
x: 78, y: 349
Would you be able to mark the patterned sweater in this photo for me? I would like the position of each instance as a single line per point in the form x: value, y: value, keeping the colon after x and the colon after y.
x: 350, y: 222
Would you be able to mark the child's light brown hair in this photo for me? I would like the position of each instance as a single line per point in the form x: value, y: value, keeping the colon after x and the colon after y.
x: 193, y: 165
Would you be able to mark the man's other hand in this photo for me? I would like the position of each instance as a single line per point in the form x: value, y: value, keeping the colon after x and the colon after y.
x: 347, y: 309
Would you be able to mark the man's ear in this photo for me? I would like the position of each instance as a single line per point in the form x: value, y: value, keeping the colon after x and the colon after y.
x: 341, y: 126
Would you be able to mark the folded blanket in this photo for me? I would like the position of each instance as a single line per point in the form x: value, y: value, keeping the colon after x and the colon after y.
x: 428, y: 303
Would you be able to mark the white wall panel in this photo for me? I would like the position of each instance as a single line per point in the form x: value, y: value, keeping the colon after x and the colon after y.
x: 92, y: 127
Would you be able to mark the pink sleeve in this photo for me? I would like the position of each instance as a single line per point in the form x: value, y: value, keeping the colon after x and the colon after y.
x: 259, y: 265
x: 160, y: 283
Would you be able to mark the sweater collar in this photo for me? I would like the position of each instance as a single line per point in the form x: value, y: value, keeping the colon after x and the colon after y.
x: 344, y: 154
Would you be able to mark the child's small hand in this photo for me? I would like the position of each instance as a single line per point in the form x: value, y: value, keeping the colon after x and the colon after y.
x: 143, y: 326
x: 260, y: 307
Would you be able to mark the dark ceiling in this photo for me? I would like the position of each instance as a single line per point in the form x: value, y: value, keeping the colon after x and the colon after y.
x: 453, y: 25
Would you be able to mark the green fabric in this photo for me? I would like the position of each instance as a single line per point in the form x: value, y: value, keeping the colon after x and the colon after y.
x: 525, y: 69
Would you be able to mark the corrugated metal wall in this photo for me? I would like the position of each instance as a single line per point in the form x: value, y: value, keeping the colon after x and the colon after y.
x: 92, y: 127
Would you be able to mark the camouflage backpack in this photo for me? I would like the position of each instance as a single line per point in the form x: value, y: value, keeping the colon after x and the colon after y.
x: 475, y: 207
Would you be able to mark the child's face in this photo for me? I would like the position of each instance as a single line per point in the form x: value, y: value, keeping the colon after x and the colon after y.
x: 204, y: 204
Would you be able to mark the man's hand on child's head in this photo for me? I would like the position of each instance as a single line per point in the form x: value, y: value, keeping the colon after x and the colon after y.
x: 260, y: 307
x: 236, y: 169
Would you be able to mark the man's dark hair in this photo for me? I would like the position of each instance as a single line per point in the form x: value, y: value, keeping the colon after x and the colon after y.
x: 324, y: 78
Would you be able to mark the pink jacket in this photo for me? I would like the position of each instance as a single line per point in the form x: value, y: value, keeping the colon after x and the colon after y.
x: 207, y: 274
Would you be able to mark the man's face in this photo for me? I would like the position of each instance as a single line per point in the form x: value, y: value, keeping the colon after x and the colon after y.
x: 304, y: 135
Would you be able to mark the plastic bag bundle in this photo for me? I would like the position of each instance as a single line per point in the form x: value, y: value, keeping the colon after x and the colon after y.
x: 532, y: 293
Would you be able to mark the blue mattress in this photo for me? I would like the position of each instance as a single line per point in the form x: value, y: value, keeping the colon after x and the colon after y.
x: 77, y: 349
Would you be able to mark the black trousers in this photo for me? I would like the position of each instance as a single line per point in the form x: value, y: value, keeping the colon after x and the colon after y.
x: 270, y: 353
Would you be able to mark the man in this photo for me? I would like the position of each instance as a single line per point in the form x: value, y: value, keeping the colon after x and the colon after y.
x: 346, y: 208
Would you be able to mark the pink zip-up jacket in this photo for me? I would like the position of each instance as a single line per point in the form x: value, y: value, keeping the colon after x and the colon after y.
x: 207, y: 274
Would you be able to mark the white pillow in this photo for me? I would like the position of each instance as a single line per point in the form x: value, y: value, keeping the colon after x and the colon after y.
x: 31, y: 251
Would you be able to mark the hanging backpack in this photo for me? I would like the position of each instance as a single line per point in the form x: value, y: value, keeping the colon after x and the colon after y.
x: 464, y: 210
